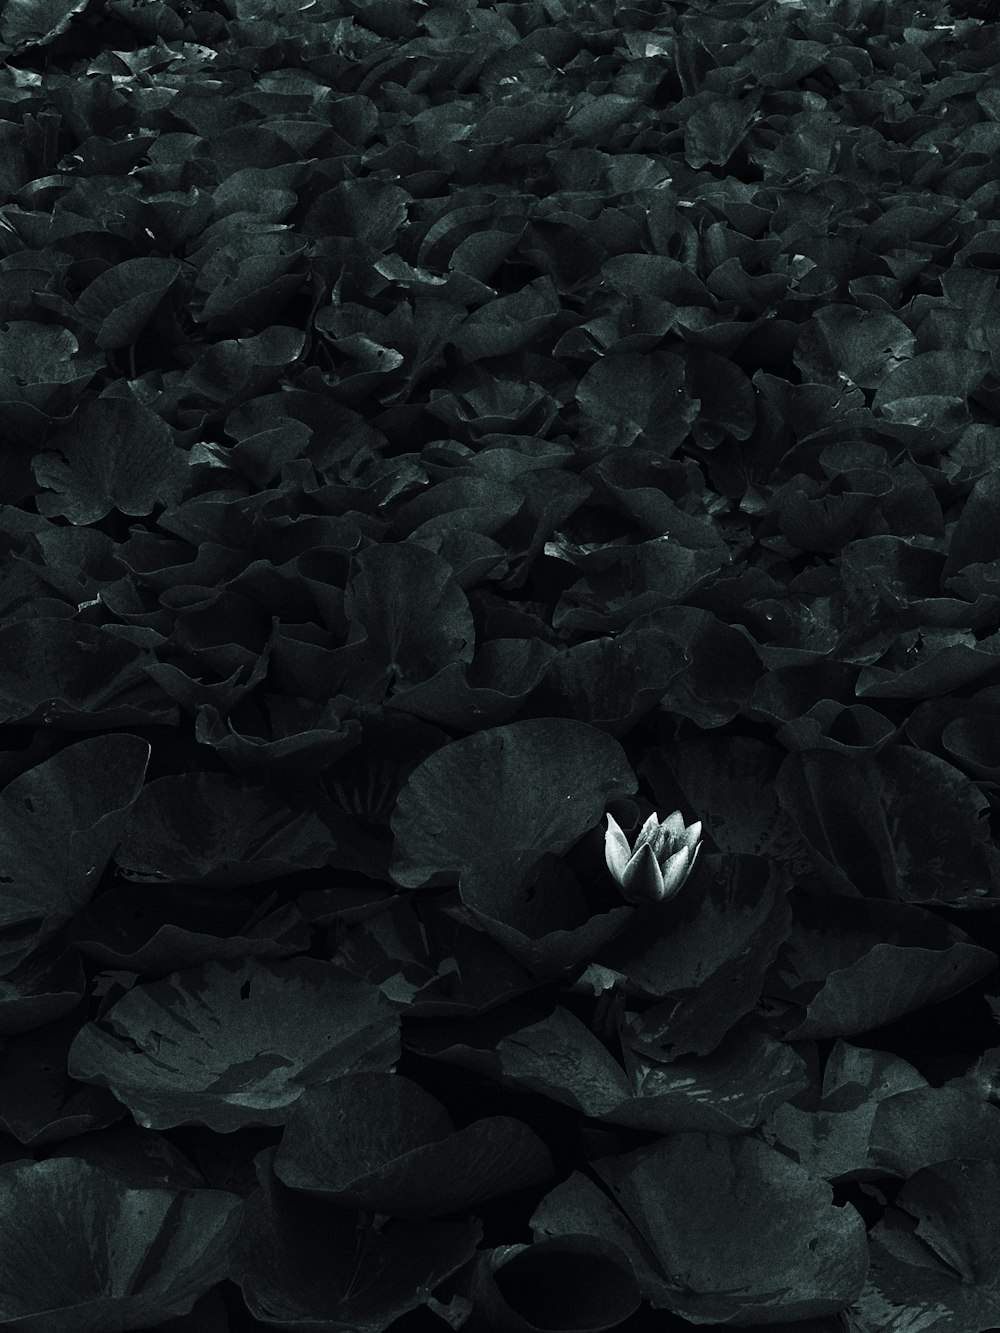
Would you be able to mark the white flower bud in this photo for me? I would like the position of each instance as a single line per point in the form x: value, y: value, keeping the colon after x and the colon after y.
x: 661, y: 860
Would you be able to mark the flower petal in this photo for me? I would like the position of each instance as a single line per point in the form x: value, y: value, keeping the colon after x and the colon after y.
x: 694, y: 857
x: 673, y: 825
x: 675, y: 872
x: 642, y: 881
x: 689, y: 838
x: 617, y: 852
x: 648, y: 833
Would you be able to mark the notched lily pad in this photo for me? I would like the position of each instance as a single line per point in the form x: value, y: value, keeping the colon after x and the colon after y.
x: 565, y: 1282
x: 59, y: 824
x: 214, y: 829
x: 96, y: 1254
x: 235, y: 1044
x: 507, y: 796
x: 161, y: 929
x: 853, y: 964
x: 719, y: 1230
x: 380, y: 1143
x: 116, y: 454
x: 39, y: 1103
x: 303, y: 1263
x: 933, y: 1254
x: 728, y: 1092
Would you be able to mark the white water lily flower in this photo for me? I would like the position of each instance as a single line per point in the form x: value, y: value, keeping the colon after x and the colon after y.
x: 661, y: 860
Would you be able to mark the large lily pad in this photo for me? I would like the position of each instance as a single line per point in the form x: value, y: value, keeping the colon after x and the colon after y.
x: 934, y: 1255
x: 505, y: 796
x: 853, y: 964
x: 39, y: 1103
x: 214, y: 829
x: 900, y: 824
x: 704, y: 954
x: 566, y: 1282
x: 59, y: 824
x: 162, y: 928
x: 115, y: 454
x: 304, y: 1263
x: 719, y: 1230
x: 380, y: 1142
x: 96, y: 1254
x: 727, y: 1092
x: 234, y: 1044
x: 78, y: 676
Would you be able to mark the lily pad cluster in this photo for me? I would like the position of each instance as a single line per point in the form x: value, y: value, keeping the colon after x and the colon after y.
x: 438, y: 442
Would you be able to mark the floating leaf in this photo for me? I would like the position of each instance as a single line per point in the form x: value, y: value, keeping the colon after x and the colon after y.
x: 234, y: 1044
x: 379, y: 1142
x: 507, y: 795
x: 86, y: 1251
x: 116, y: 454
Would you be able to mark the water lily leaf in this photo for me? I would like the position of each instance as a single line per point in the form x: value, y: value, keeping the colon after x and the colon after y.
x: 97, y: 1254
x: 900, y: 823
x: 486, y: 692
x: 120, y: 302
x: 727, y: 1092
x: 715, y: 127
x: 441, y: 966
x: 380, y: 1143
x: 623, y: 395
x: 613, y: 682
x: 214, y: 829
x: 36, y: 22
x: 952, y: 371
x: 234, y: 1044
x: 115, y: 454
x: 834, y: 1140
x: 302, y: 1263
x: 844, y: 341
x: 566, y: 1282
x: 705, y: 955
x: 44, y: 984
x: 163, y: 928
x: 507, y: 795
x: 558, y: 1056
x: 39, y: 1102
x: 541, y: 915
x: 926, y: 1125
x: 853, y: 964
x: 729, y: 781
x: 78, y: 676
x: 42, y: 374
x: 41, y: 364
x: 59, y: 824
x: 933, y: 1254
x: 414, y: 615
x: 721, y: 1230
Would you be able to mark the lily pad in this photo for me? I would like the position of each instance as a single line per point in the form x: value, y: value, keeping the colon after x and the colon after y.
x: 214, y: 829
x: 115, y: 454
x: 39, y: 1103
x: 96, y: 1254
x: 728, y: 1092
x: 854, y: 964
x: 933, y: 1254
x: 159, y: 929
x: 304, y: 1263
x: 720, y: 1230
x: 59, y: 824
x: 235, y: 1044
x: 379, y: 1142
x: 567, y: 1283
x: 505, y: 796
